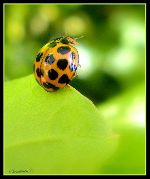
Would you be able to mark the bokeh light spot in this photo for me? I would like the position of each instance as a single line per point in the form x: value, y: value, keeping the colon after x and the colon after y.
x: 40, y: 22
x: 85, y: 62
x: 134, y: 34
x: 15, y: 31
x: 74, y: 25
x: 136, y: 113
x: 123, y: 61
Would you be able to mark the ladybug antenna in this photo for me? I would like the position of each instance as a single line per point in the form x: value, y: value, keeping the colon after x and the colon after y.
x: 79, y: 37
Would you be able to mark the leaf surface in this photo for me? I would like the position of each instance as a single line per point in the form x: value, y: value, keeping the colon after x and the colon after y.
x: 52, y: 132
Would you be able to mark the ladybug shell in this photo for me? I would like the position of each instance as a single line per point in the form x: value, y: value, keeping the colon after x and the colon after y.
x: 56, y: 65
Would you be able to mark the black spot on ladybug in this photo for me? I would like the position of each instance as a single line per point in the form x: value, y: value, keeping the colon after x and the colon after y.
x: 38, y: 72
x: 64, y: 79
x: 64, y: 41
x: 49, y: 85
x: 62, y: 64
x: 63, y: 49
x: 73, y: 55
x: 73, y: 67
x: 52, y: 74
x: 38, y: 57
x: 52, y: 44
x: 49, y: 59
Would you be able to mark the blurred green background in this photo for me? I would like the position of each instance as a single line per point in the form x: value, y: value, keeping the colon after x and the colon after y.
x: 112, y: 58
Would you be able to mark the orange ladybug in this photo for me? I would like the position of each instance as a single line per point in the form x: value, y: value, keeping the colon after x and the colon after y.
x: 56, y: 63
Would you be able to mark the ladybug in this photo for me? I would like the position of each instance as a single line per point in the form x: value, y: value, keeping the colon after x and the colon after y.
x: 56, y: 63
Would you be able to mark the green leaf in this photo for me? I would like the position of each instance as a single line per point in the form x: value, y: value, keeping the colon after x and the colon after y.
x: 52, y: 132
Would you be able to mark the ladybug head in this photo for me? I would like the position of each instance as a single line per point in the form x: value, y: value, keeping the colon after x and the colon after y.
x: 71, y: 40
x: 68, y: 40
